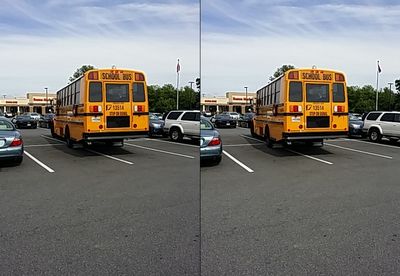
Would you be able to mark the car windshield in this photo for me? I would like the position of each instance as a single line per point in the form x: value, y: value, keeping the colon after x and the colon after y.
x: 24, y: 117
x: 222, y: 116
x: 153, y: 117
x: 6, y: 125
x: 204, y: 125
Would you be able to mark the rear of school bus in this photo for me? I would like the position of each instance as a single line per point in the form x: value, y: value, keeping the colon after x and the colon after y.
x: 116, y: 105
x: 316, y: 105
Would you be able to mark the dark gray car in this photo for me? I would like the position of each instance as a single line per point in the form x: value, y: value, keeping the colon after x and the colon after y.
x: 11, y: 144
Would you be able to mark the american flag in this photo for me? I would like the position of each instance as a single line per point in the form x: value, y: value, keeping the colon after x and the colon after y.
x: 178, y: 67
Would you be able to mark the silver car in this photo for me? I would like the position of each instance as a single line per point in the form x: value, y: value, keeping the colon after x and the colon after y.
x: 11, y: 144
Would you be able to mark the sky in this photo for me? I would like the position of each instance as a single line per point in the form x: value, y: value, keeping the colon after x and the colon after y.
x: 244, y: 42
x: 43, y: 42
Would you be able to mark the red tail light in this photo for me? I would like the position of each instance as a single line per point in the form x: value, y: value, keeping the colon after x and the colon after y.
x: 140, y: 108
x: 215, y: 142
x: 16, y: 142
x: 93, y: 76
x: 139, y: 77
x: 294, y: 75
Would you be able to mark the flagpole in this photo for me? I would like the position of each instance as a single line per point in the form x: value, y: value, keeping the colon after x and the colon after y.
x: 177, y: 85
x: 377, y: 82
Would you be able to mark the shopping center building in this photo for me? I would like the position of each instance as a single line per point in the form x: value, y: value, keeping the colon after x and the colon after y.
x: 33, y: 102
x: 240, y: 102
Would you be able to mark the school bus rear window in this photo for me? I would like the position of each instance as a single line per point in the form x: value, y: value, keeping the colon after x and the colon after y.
x: 295, y: 91
x: 338, y: 92
x: 95, y: 92
x: 117, y: 92
x: 138, y: 92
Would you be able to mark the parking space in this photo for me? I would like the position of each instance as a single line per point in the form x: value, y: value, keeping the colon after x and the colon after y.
x: 300, y: 210
x: 94, y: 208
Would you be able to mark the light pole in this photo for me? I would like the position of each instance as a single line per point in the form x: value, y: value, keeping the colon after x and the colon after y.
x: 45, y: 108
x: 245, y: 106
x: 390, y: 99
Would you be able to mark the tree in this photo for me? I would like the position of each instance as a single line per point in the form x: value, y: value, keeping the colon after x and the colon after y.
x: 279, y: 71
x: 80, y: 71
x: 163, y: 99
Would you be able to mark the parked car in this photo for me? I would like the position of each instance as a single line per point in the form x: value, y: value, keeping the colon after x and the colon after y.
x: 45, y: 120
x: 210, y: 142
x: 2, y: 114
x: 355, y: 125
x: 206, y: 113
x: 25, y: 121
x: 245, y: 120
x: 11, y: 144
x: 378, y: 124
x: 156, y: 125
x: 180, y: 123
x: 234, y: 115
x: 224, y: 120
x: 33, y: 115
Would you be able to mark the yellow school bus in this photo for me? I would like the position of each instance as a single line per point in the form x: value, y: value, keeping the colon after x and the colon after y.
x: 107, y: 105
x: 302, y: 105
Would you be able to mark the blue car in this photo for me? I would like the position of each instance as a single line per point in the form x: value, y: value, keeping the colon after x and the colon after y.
x: 11, y: 144
x: 210, y: 142
x: 355, y: 125
x: 156, y: 125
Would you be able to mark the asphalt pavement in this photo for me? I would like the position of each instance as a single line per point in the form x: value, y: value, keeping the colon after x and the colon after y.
x: 131, y: 210
x: 330, y: 210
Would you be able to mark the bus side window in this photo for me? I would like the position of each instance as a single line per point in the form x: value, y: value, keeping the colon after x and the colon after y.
x: 295, y: 91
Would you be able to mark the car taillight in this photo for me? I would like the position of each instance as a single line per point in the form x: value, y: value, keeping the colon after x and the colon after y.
x: 16, y: 142
x: 215, y: 142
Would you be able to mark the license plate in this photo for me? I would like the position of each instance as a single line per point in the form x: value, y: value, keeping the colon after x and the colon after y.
x: 2, y: 142
x: 228, y: 124
x: 28, y: 124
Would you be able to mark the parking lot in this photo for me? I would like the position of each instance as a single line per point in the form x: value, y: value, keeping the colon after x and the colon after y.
x: 120, y: 210
x: 301, y: 210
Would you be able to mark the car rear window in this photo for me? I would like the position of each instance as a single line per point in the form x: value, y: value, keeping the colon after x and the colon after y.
x: 205, y: 125
x: 373, y: 116
x: 173, y: 115
x: 6, y: 125
x: 338, y: 93
x: 117, y: 92
x: 317, y: 92
x: 95, y: 92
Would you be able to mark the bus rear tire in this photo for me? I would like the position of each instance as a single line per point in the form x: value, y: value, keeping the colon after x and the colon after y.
x: 267, y: 139
x: 68, y: 140
x: 252, y: 130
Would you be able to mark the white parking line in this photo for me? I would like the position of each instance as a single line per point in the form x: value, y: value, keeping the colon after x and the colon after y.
x: 162, y: 151
x: 239, y: 145
x: 111, y: 157
x: 361, y: 151
x: 371, y: 143
x: 50, y: 170
x: 309, y: 156
x: 238, y: 162
x: 249, y: 137
x: 169, y: 142
x: 51, y: 138
x: 43, y: 145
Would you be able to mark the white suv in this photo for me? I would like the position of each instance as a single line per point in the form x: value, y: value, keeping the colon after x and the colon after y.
x: 378, y: 124
x: 180, y: 123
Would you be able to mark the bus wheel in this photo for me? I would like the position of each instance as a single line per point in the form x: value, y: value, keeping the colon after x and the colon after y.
x: 267, y: 139
x: 53, y: 134
x: 68, y: 140
x: 252, y: 130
